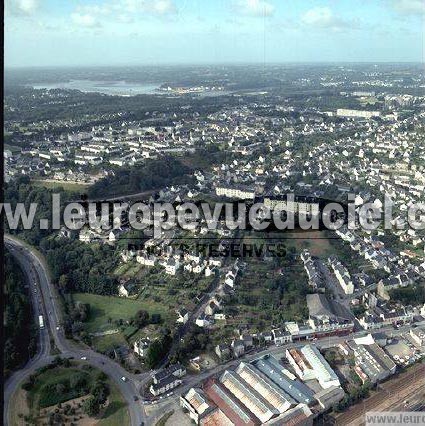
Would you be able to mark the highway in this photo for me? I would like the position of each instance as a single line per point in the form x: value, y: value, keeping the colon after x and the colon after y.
x: 44, y: 300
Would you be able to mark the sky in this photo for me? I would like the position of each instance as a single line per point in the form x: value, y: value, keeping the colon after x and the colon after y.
x: 154, y: 32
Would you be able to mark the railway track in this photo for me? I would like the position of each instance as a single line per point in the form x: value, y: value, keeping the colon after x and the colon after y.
x: 389, y: 389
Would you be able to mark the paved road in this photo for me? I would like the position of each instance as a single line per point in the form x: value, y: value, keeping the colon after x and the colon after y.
x: 324, y: 343
x: 42, y: 356
x: 52, y: 314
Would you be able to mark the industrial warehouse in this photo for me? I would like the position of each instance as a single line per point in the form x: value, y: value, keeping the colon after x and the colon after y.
x: 265, y: 391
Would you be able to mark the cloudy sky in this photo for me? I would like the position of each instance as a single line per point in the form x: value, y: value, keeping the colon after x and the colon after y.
x: 135, y: 32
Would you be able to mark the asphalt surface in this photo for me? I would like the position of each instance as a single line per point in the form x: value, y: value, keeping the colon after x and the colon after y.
x: 45, y: 302
x: 162, y: 405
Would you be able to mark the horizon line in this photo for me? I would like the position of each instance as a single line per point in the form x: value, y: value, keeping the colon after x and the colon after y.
x: 193, y: 64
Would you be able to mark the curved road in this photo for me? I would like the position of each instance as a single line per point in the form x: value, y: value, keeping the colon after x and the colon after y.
x: 44, y: 300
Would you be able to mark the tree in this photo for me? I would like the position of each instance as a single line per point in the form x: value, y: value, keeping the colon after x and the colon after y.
x: 100, y: 392
x: 60, y: 388
x: 63, y: 283
x: 154, y: 354
x: 141, y: 319
x: 78, y: 381
x: 91, y: 407
x: 157, y: 350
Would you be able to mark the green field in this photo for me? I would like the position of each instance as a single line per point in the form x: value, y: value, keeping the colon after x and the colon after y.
x: 103, y: 308
x: 41, y: 394
x: 116, y: 413
x: 67, y: 186
x: 315, y: 241
x: 110, y: 341
x: 129, y: 270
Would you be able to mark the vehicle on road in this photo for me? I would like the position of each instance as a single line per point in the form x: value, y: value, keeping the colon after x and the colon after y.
x: 83, y: 358
x: 124, y: 379
x: 41, y: 321
x: 135, y: 397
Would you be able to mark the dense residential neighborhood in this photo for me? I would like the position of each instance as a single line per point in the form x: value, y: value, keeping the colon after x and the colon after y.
x: 232, y: 325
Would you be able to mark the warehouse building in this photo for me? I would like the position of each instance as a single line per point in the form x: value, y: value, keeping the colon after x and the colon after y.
x: 271, y: 368
x: 309, y: 364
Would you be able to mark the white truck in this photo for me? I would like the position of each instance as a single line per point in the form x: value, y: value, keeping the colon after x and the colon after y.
x: 41, y: 321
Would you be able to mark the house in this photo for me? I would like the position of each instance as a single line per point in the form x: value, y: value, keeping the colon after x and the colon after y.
x: 127, y: 255
x: 141, y: 346
x: 418, y: 335
x: 182, y: 316
x: 211, y: 307
x: 167, y: 379
x: 172, y: 266
x: 222, y: 351
x: 342, y: 275
x: 238, y: 348
x: 85, y: 236
x: 209, y: 270
x: 281, y: 337
x: 166, y: 385
x: 219, y: 315
x: 145, y: 259
x: 235, y: 191
x: 113, y: 235
x: 203, y: 320
x: 176, y: 370
x: 231, y: 277
x: 248, y: 341
x: 267, y: 336
x: 127, y: 289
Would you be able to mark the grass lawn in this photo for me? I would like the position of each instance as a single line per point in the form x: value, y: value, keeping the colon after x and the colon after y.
x: 128, y: 270
x: 116, y: 413
x: 121, y: 269
x: 110, y: 341
x: 104, y: 307
x: 67, y: 186
x: 163, y: 420
x: 314, y: 241
x: 41, y: 395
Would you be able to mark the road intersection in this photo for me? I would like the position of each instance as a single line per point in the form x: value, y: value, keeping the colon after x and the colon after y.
x: 36, y: 271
